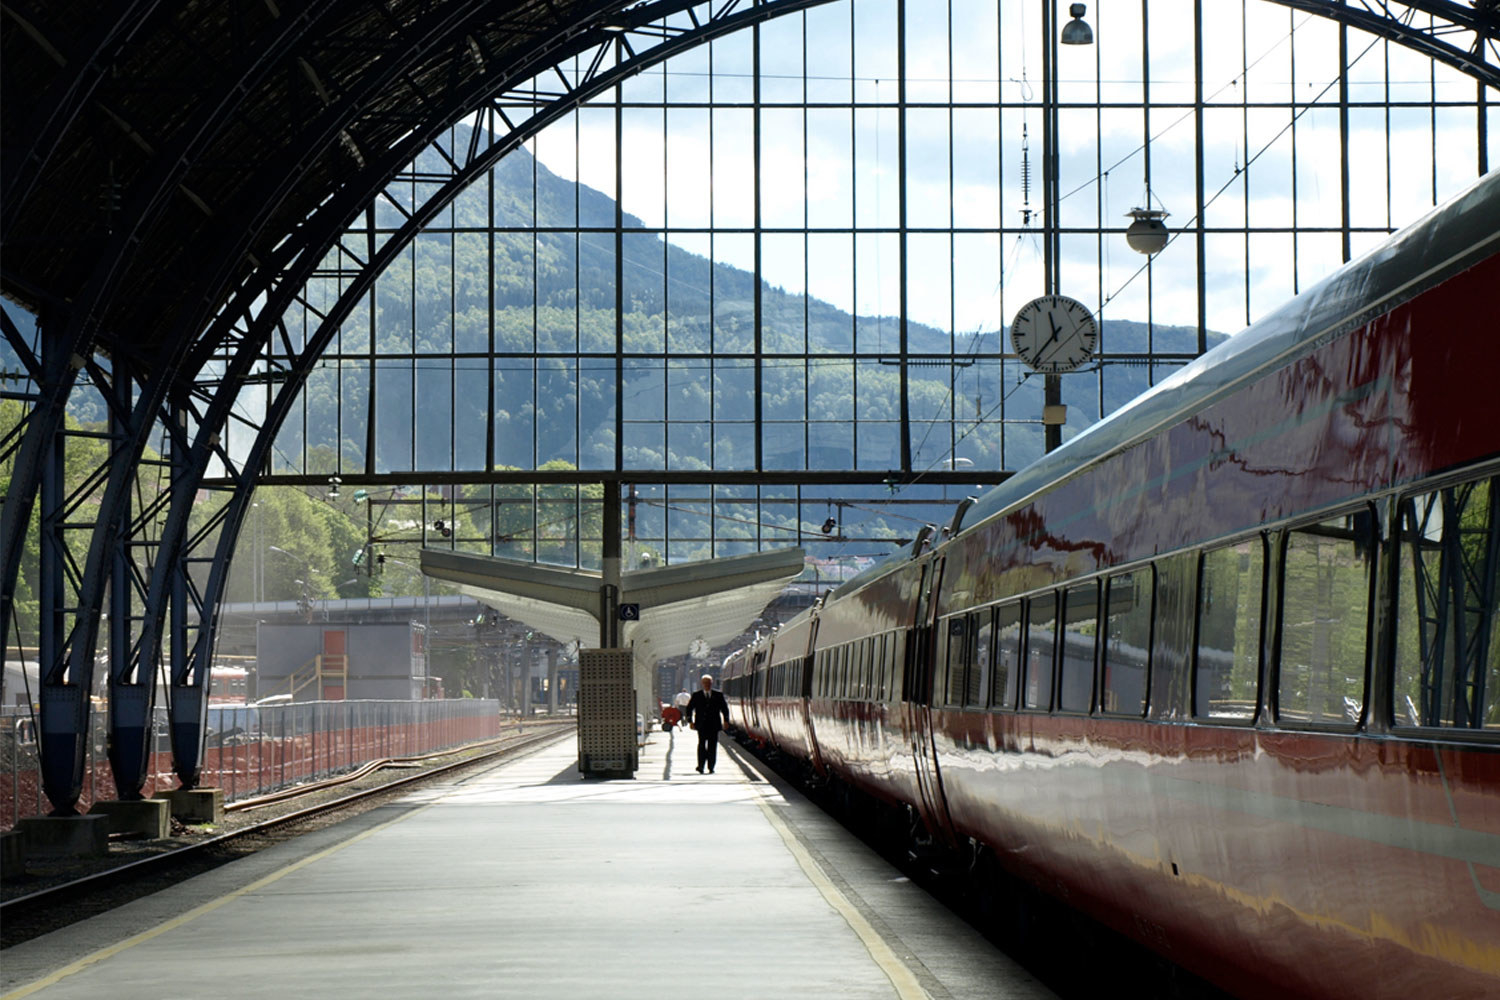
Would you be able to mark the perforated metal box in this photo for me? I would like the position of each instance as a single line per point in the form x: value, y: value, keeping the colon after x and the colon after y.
x: 606, y: 713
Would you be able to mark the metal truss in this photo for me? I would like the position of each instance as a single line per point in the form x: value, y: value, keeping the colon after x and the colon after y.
x: 68, y: 666
x: 650, y: 34
x: 144, y: 568
x: 1465, y: 36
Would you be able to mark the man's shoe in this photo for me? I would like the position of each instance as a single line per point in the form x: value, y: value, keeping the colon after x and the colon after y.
x: 700, y: 768
x: 710, y: 770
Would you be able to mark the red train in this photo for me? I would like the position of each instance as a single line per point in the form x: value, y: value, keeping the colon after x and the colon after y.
x: 1223, y: 671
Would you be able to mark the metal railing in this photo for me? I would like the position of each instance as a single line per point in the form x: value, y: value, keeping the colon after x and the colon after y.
x: 256, y: 748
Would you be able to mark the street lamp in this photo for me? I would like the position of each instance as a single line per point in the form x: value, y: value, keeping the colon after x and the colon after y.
x: 1147, y: 234
x: 1077, y: 31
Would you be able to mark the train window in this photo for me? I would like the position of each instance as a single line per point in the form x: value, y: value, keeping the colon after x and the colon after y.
x: 957, y: 631
x: 982, y: 631
x: 1325, y: 601
x: 1007, y: 672
x: 1447, y: 669
x: 895, y: 652
x: 870, y: 666
x: 1230, y: 591
x: 1041, y: 643
x: 1075, y: 689
x: 1127, y: 642
x: 866, y: 663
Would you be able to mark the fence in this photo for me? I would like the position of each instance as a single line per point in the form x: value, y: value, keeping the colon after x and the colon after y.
x: 257, y: 748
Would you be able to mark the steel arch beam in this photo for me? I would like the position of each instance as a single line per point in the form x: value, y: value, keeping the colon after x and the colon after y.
x: 190, y: 674
x: 131, y: 698
x: 446, y: 28
x: 66, y: 98
x: 1395, y: 23
x: 132, y: 690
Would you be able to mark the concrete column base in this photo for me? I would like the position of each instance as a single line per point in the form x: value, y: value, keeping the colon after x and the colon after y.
x: 195, y: 805
x: 65, y: 836
x: 12, y: 855
x: 151, y: 818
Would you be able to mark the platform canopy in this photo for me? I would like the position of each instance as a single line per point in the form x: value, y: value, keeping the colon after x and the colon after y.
x: 714, y: 601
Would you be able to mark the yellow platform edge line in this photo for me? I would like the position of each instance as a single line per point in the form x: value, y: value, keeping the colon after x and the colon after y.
x: 898, y: 972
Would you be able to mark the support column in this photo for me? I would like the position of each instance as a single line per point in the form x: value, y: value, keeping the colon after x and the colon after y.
x: 64, y: 715
x: 130, y: 697
x: 609, y: 590
x: 551, y: 680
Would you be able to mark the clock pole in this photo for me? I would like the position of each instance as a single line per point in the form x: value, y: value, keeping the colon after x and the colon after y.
x: 1075, y: 33
x: 1053, y: 413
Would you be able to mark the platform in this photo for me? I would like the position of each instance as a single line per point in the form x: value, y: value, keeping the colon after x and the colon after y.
x: 529, y: 881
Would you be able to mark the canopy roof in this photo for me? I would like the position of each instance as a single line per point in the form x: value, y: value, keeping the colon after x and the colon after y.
x: 714, y: 601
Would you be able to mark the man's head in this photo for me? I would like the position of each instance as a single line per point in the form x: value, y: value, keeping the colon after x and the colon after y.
x: 708, y: 683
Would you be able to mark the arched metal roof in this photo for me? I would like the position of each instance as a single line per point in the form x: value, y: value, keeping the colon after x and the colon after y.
x: 158, y: 157
x: 155, y: 152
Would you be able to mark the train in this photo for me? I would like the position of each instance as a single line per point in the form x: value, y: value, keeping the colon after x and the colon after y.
x: 1221, y: 672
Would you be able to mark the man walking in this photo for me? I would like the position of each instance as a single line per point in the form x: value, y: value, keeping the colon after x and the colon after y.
x: 704, y: 711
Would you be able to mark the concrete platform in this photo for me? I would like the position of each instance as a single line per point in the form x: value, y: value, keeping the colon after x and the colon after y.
x: 529, y: 881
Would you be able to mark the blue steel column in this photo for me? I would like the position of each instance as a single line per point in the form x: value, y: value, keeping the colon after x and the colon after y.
x: 129, y: 703
x: 64, y: 714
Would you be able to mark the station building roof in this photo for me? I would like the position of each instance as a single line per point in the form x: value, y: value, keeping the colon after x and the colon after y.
x: 713, y: 601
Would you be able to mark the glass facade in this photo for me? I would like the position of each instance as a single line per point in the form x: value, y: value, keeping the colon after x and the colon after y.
x: 794, y: 251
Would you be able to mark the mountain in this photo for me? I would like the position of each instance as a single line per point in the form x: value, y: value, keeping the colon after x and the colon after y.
x: 554, y: 294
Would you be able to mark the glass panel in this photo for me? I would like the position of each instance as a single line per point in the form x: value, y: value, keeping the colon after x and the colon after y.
x: 1325, y: 598
x: 1229, y: 602
x: 1127, y: 642
x: 1447, y: 670
x: 957, y: 661
x: 1007, y: 654
x: 976, y: 691
x: 1080, y: 626
x: 1041, y: 642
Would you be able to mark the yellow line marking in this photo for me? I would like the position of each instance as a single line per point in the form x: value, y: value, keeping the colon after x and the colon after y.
x: 195, y: 913
x: 897, y: 971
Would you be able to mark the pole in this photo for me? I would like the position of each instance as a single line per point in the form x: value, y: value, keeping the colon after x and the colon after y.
x: 609, y: 590
x: 1051, y: 230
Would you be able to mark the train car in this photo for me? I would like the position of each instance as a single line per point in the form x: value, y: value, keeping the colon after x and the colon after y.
x: 1224, y: 670
x: 786, y: 675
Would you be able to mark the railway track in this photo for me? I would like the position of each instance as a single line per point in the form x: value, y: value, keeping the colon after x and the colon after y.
x: 40, y: 912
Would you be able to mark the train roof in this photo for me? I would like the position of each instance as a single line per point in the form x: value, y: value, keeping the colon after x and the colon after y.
x: 1449, y: 239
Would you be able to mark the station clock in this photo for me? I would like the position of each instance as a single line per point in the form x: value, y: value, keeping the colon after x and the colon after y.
x: 1054, y: 334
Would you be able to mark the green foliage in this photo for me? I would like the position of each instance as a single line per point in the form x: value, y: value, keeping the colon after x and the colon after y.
x: 304, y: 548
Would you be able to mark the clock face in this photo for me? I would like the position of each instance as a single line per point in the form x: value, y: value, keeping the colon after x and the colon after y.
x: 1054, y: 334
x: 699, y: 649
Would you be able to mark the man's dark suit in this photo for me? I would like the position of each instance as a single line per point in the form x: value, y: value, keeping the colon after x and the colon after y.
x: 704, y: 711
